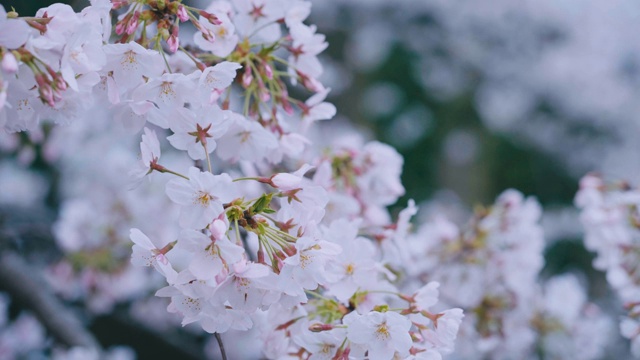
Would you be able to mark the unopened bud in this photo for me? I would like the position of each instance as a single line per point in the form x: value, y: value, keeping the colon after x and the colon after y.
x: 132, y: 24
x: 247, y: 78
x: 182, y: 13
x: 174, y: 41
x: 286, y: 105
x: 41, y: 79
x: 121, y: 26
x: 212, y: 18
x: 60, y: 83
x: 46, y: 94
x: 117, y: 4
x: 268, y: 71
x: 317, y: 327
x: 264, y: 94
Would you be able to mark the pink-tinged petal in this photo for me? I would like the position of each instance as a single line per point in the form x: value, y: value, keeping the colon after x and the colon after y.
x: 427, y: 296
x: 140, y: 239
x: 163, y: 266
x: 196, y: 151
x: 205, y: 265
x: 151, y: 139
x: 181, y: 140
x: 193, y: 217
x: 141, y: 256
x: 343, y: 290
x: 218, y: 229
x: 192, y: 240
x: 225, y: 189
x: 200, y: 180
x: 219, y: 76
x: 231, y: 252
x: 13, y: 33
x: 180, y: 191
x: 358, y: 329
x: 323, y: 111
x: 168, y: 291
x: 9, y: 63
x: 113, y: 93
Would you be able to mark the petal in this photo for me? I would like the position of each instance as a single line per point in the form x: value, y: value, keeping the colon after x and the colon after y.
x: 192, y: 240
x: 205, y: 265
x: 180, y: 191
x: 140, y: 239
x: 193, y: 217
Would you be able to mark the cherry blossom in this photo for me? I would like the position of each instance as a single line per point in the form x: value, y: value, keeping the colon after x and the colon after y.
x: 246, y: 223
x: 196, y: 130
x: 201, y: 197
x: 384, y: 335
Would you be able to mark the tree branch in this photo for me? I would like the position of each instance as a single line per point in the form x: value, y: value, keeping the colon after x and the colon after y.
x: 26, y: 287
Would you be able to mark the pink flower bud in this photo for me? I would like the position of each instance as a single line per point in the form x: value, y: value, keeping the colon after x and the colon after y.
x: 174, y: 41
x: 286, y: 105
x: 182, y: 13
x: 132, y: 25
x: 41, y: 79
x: 59, y: 82
x: 9, y: 63
x: 247, y: 78
x: 117, y: 4
x: 317, y: 327
x: 310, y: 83
x: 57, y: 95
x: 286, y: 181
x: 121, y: 26
x: 265, y: 95
x: 268, y: 71
x: 218, y: 229
x: 46, y: 94
x: 212, y: 18
x: 208, y: 35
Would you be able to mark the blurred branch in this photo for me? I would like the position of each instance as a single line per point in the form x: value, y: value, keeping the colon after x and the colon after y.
x: 119, y: 327
x: 20, y: 281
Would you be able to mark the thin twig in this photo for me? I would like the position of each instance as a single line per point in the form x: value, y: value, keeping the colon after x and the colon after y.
x: 219, y: 339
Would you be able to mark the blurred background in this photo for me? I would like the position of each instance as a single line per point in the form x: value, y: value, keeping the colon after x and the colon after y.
x: 477, y: 95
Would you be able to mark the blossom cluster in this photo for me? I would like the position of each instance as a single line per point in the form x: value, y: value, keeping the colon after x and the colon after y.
x: 612, y: 228
x: 490, y: 268
x: 244, y: 215
x: 240, y: 233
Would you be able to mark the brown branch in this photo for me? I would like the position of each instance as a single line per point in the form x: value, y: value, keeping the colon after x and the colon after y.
x: 26, y: 287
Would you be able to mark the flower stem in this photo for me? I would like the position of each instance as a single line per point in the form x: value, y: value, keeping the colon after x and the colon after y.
x: 208, y: 157
x: 174, y: 173
x: 221, y: 345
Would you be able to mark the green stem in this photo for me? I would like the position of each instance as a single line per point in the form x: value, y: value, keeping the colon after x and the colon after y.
x: 174, y: 173
x: 246, y: 178
x: 318, y: 295
x: 206, y: 152
x: 164, y: 56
